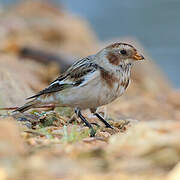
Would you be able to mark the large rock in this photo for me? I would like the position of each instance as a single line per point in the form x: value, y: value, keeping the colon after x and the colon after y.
x: 175, y: 173
x: 18, y: 81
x: 10, y: 141
x: 42, y: 24
x: 147, y: 147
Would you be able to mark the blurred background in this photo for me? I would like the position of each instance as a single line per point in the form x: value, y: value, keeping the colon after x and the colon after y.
x: 40, y: 39
x: 155, y: 24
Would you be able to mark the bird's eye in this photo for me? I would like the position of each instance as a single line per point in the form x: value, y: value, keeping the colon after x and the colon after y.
x: 123, y: 52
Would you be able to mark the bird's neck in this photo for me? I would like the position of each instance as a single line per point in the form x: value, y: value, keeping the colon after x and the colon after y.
x: 126, y: 67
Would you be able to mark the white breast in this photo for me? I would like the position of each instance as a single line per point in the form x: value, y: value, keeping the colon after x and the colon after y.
x: 92, y: 93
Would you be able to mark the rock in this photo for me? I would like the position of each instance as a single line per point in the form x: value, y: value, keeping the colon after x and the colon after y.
x: 147, y: 145
x: 141, y: 107
x: 3, y: 174
x: 175, y: 173
x: 174, y: 99
x: 10, y: 140
x: 43, y: 24
x: 17, y: 82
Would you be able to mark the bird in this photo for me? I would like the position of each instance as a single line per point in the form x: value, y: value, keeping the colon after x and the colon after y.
x: 90, y: 82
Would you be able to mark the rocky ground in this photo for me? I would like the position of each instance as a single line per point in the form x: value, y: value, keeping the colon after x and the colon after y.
x: 38, y: 41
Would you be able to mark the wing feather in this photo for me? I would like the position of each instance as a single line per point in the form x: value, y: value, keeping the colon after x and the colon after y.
x: 52, y: 88
x: 74, y: 76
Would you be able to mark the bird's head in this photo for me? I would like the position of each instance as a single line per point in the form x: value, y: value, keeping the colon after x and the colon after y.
x: 121, y: 53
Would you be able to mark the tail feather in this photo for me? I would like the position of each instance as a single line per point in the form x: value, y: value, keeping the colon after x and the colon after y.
x: 27, y: 106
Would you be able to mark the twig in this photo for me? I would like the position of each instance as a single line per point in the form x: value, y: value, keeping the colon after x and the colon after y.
x: 34, y: 133
x: 8, y: 108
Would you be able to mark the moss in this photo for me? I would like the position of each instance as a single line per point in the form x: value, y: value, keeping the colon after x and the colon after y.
x: 65, y: 111
x: 75, y: 134
x: 47, y: 120
x: 50, y: 118
x: 46, y: 132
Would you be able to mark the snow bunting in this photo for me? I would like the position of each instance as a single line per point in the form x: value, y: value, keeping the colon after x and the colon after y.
x: 91, y: 82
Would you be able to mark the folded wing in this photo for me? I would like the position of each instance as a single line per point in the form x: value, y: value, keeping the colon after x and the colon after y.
x: 74, y: 76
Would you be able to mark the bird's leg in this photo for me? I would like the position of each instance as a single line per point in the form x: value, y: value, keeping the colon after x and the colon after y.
x: 101, y: 118
x: 78, y: 113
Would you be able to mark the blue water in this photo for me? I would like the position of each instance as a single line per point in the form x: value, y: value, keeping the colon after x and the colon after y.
x: 155, y: 23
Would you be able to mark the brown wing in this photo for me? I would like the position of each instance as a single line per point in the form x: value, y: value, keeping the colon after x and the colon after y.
x: 52, y: 88
x: 74, y: 76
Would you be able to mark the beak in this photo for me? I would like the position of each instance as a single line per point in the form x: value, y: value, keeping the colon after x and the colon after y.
x: 138, y: 57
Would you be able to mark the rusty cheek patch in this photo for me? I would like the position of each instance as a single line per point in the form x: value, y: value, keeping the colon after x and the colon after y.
x: 113, y: 59
x: 108, y: 78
